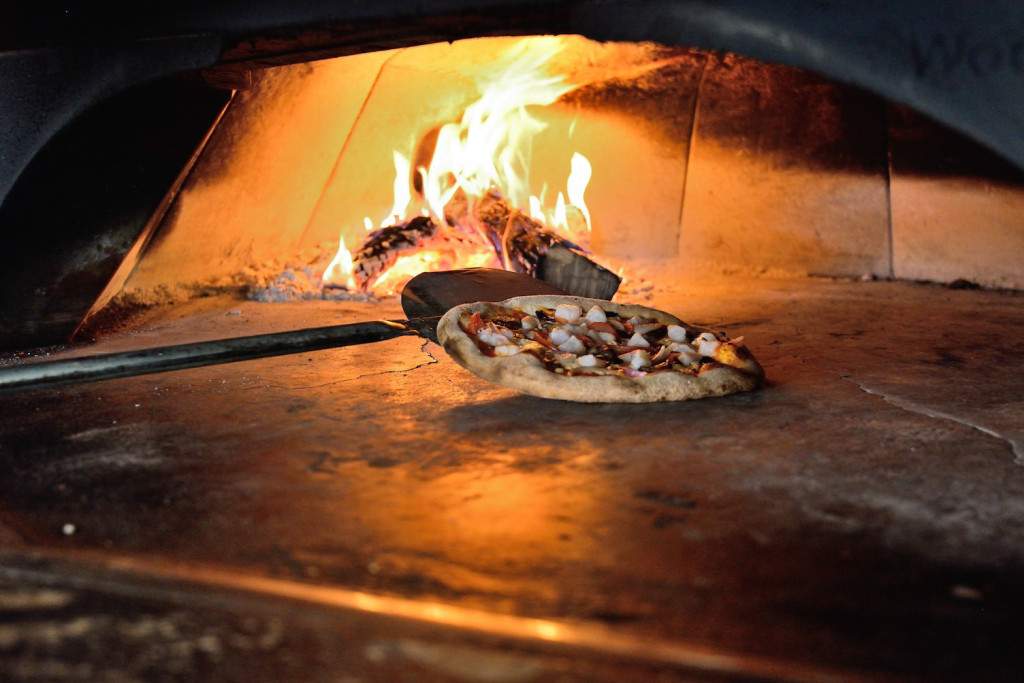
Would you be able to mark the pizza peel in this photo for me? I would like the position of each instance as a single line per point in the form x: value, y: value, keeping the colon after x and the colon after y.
x: 425, y: 299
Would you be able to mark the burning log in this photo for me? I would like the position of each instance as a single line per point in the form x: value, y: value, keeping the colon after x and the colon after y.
x: 525, y: 245
x: 486, y: 217
x: 381, y: 248
x: 535, y: 250
x: 389, y: 256
x: 521, y: 244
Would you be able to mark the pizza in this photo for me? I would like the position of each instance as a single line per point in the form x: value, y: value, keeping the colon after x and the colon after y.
x: 595, y: 351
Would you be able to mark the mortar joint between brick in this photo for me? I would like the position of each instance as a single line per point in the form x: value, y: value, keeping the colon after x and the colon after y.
x: 689, y: 149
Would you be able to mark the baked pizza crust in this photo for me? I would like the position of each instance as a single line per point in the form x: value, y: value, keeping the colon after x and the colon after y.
x: 526, y: 374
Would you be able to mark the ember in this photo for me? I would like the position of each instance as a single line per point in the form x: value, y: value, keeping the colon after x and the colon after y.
x: 467, y: 201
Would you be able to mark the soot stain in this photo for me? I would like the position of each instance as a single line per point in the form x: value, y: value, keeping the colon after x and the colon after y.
x: 672, y: 500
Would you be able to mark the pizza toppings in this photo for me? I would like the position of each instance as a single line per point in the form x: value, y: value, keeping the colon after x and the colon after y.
x: 568, y: 313
x: 596, y: 315
x: 707, y: 345
x: 493, y: 335
x: 676, y: 333
x: 573, y: 345
x: 600, y: 342
x: 636, y: 359
x: 638, y: 340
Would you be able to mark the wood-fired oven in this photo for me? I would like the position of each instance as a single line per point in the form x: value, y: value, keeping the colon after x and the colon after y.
x: 838, y: 182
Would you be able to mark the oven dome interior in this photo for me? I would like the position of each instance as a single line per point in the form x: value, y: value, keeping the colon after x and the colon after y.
x: 701, y: 162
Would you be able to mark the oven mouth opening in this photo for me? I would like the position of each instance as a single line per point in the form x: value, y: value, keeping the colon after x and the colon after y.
x: 700, y: 164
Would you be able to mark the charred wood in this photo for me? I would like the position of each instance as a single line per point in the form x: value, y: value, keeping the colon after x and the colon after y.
x: 526, y: 242
x: 381, y: 248
x: 570, y: 270
x: 491, y: 216
x: 535, y: 250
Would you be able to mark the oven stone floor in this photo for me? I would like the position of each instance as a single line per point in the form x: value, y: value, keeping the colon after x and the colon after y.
x: 378, y: 513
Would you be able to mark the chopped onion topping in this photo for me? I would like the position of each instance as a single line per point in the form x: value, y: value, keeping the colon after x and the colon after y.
x: 644, y: 328
x: 530, y: 323
x: 507, y: 350
x: 559, y: 335
x: 636, y: 359
x: 567, y: 360
x: 708, y: 348
x: 676, y: 347
x: 638, y: 340
x: 492, y: 335
x: 705, y: 336
x: 602, y: 337
x: 677, y: 333
x: 572, y: 345
x: 596, y: 315
x: 688, y: 358
x: 568, y: 313
x: 590, y: 361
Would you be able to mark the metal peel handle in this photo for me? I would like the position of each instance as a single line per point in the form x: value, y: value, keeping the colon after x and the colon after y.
x: 49, y: 374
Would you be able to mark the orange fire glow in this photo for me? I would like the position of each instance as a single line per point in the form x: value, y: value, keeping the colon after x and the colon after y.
x: 410, y: 265
x: 488, y: 150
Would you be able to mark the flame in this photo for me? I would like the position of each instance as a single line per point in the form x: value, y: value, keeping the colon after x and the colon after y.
x: 490, y: 146
x: 403, y: 193
x: 339, y: 270
x: 579, y: 178
x: 488, y: 149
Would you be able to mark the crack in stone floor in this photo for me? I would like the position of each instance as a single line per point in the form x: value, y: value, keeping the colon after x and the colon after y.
x: 905, y: 404
x: 423, y: 349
